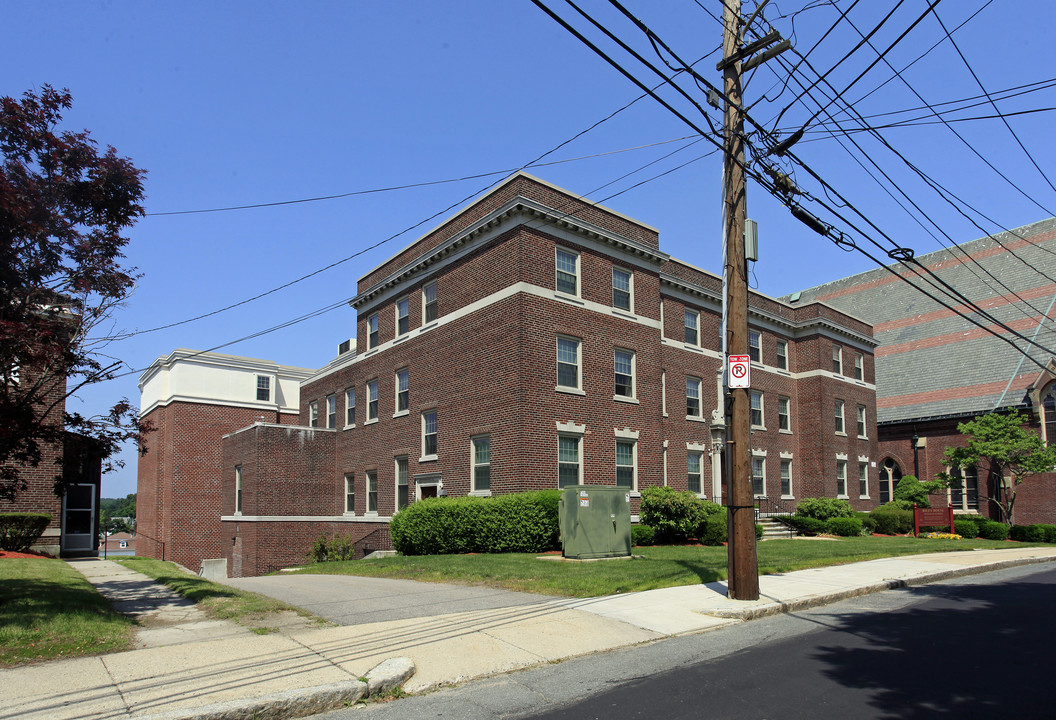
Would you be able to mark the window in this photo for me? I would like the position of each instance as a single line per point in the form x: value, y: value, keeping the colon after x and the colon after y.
x: 1048, y: 406
x: 567, y: 362
x: 964, y: 489
x: 372, y: 331
x: 838, y: 407
x: 758, y: 476
x: 625, y: 465
x: 350, y: 406
x: 861, y: 421
x: 755, y: 346
x: 837, y: 360
x: 782, y: 355
x: 624, y: 369
x: 372, y: 491
x: 784, y: 416
x: 263, y: 388
x: 621, y: 289
x: 567, y: 267
x: 372, y: 400
x: 568, y: 465
x: 693, y: 408
x: 859, y: 367
x: 786, y: 478
x: 401, y: 483
x: 757, y: 409
x: 238, y: 489
x: 313, y: 413
x: 841, y: 478
x: 403, y: 316
x: 429, y: 309
x: 429, y: 434
x: 403, y: 380
x: 694, y: 481
x: 350, y: 493
x: 692, y: 323
x: 863, y: 479
x: 481, y: 447
x: 331, y: 411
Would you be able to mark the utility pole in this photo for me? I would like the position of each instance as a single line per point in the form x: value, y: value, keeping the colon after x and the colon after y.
x: 743, y: 567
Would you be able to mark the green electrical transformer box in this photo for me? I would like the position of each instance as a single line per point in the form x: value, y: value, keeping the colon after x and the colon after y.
x: 595, y: 521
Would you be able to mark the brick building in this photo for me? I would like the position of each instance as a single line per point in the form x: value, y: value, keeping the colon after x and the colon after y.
x: 935, y: 369
x: 193, y: 399
x: 534, y: 340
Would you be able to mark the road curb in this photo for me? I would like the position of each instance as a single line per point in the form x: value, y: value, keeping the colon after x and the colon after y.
x: 776, y: 608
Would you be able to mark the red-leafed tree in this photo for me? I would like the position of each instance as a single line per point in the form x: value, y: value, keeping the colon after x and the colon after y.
x: 63, y: 208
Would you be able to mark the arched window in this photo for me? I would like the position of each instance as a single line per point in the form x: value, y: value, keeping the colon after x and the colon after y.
x: 890, y: 474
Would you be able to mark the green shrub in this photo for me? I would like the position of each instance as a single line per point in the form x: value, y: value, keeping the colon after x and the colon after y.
x: 19, y: 530
x: 522, y: 522
x: 713, y: 530
x: 844, y: 526
x: 1049, y: 532
x: 868, y: 524
x: 642, y: 535
x: 967, y: 528
x: 1027, y: 533
x: 992, y: 530
x: 674, y: 515
x: 824, y: 508
x: 890, y: 520
x: 805, y: 525
x: 758, y: 531
x: 339, y: 547
x: 910, y: 490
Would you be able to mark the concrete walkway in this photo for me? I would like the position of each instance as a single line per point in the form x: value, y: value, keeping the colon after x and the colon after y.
x: 303, y: 673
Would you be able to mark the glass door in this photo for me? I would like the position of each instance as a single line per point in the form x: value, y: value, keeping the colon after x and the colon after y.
x: 78, y: 518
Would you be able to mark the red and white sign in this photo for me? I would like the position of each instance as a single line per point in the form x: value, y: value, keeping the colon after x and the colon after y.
x: 739, y: 371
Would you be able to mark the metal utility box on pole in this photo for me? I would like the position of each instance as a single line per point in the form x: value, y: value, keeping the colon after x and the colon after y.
x: 743, y: 566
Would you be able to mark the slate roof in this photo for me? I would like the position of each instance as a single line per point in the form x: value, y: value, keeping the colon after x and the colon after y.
x: 934, y: 363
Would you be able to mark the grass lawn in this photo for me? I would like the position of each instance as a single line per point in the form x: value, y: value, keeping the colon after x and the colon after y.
x: 48, y: 611
x: 657, y: 567
x: 220, y: 601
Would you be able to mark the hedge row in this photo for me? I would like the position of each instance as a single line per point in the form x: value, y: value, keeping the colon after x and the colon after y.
x: 19, y: 530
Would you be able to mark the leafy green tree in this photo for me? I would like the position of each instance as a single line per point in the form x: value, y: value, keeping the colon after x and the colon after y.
x: 910, y: 491
x: 999, y: 444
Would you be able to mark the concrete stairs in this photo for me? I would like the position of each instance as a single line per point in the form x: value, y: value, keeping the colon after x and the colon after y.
x: 774, y: 529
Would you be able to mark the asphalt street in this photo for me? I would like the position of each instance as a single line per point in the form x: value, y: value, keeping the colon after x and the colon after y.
x: 973, y: 647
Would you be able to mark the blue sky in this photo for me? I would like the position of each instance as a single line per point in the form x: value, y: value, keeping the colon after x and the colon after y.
x: 242, y: 103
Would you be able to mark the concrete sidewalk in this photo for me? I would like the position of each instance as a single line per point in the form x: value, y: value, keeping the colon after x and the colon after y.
x: 302, y: 673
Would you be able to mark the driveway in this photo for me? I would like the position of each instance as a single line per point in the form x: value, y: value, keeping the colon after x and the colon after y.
x: 352, y: 600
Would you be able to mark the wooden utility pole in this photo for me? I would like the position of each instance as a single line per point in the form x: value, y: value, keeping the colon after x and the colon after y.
x: 743, y: 566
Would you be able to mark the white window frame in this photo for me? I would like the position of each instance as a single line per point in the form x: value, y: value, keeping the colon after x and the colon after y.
x: 841, y: 479
x: 837, y: 360
x: 263, y: 383
x: 863, y: 479
x: 634, y: 463
x: 786, y: 473
x: 371, y: 487
x: 558, y: 272
x: 402, y: 375
x: 839, y: 417
x: 755, y: 346
x: 238, y: 489
x: 475, y: 467
x: 578, y: 439
x: 372, y: 401
x: 694, y: 327
x: 331, y: 411
x: 372, y: 332
x: 427, y: 303
x: 784, y: 414
x: 578, y: 343
x: 632, y: 375
x: 860, y: 424
x: 350, y: 494
x: 350, y: 407
x: 782, y: 355
x: 753, y: 394
x: 428, y: 456
x: 859, y: 366
x: 694, y: 384
x: 405, y: 304
x: 962, y: 506
x: 313, y: 413
x: 699, y: 492
x: 760, y: 462
x: 629, y: 291
x: 401, y: 480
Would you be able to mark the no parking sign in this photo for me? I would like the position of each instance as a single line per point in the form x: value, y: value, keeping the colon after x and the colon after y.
x: 739, y: 371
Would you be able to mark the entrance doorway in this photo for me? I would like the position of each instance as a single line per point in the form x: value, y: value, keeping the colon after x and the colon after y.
x: 78, y: 519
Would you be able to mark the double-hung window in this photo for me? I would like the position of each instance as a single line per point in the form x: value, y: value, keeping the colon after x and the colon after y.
x: 568, y: 460
x: 331, y: 411
x: 692, y: 325
x: 402, y: 484
x: 481, y: 449
x: 621, y: 289
x: 372, y: 400
x: 859, y: 367
x: 782, y: 355
x: 863, y: 479
x: 758, y: 476
x: 837, y: 359
x: 838, y: 415
x: 694, y: 472
x: 567, y: 271
x: 429, y: 434
x: 372, y: 491
x: 403, y: 382
x: 624, y: 372
x: 429, y: 308
x: 238, y: 489
x: 350, y: 493
x: 755, y: 346
x: 313, y: 413
x: 784, y: 414
x: 693, y: 407
x: 861, y: 421
x: 403, y: 316
x: 841, y: 478
x: 757, y: 409
x: 263, y: 388
x: 625, y: 464
x: 350, y: 406
x: 786, y: 478
x: 372, y: 331
x: 568, y: 362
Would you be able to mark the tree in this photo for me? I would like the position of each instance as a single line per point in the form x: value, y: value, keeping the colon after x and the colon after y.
x: 63, y: 209
x: 1001, y: 445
